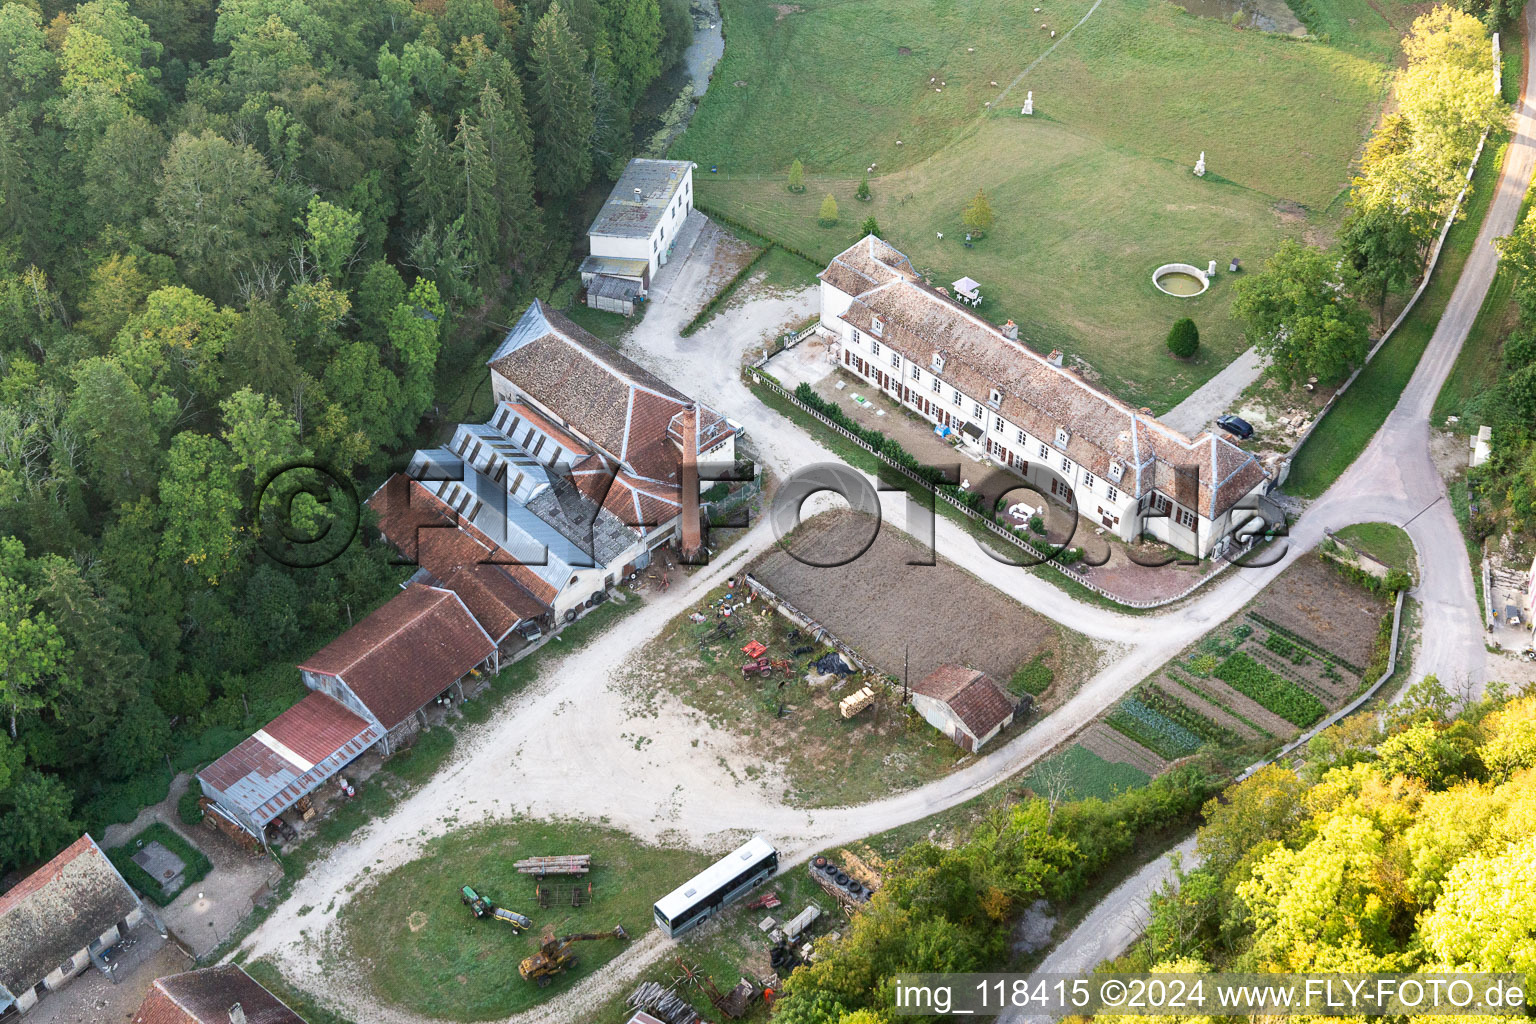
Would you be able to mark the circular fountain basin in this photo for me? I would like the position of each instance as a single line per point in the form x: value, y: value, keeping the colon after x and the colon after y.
x: 1180, y: 280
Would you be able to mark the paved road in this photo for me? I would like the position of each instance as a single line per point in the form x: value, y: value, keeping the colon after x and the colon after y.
x: 1216, y: 395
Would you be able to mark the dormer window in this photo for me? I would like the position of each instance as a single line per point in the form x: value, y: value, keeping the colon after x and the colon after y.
x: 938, y: 363
x: 995, y: 399
x: 1063, y: 435
x: 1116, y: 471
x: 877, y: 325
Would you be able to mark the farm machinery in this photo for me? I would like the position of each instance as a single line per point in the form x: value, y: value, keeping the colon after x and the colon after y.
x: 481, y: 906
x: 766, y: 666
x: 555, y: 955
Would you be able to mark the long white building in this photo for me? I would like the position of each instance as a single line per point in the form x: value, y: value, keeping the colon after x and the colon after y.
x: 1056, y: 430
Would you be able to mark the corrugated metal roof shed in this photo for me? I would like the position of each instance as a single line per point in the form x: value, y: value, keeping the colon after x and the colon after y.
x: 615, y: 266
x: 295, y: 753
x: 641, y: 196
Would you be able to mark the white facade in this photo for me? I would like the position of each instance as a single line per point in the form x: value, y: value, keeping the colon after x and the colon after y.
x: 661, y: 228
x: 1119, y: 494
x: 931, y: 396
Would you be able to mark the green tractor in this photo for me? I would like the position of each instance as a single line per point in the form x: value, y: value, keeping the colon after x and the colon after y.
x: 481, y: 906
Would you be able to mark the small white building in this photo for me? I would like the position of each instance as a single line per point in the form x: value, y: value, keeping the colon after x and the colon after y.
x: 634, y: 231
x: 964, y: 704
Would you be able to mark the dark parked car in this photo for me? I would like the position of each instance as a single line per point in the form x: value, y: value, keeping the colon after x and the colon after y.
x: 1240, y: 429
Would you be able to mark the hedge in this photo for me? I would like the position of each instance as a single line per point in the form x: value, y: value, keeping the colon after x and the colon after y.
x: 721, y: 296
x: 197, y: 865
x: 1281, y: 696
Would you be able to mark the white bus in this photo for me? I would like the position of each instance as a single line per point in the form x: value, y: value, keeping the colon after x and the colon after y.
x: 715, y: 886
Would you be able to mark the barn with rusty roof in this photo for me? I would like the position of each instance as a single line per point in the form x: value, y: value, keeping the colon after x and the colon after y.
x: 55, y: 923
x: 287, y: 760
x: 419, y: 645
x: 213, y: 995
x: 1118, y: 466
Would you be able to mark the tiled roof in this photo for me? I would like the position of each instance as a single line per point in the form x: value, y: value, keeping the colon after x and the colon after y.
x: 206, y: 996
x: 428, y: 533
x: 601, y: 395
x: 974, y: 698
x: 298, y: 750
x: 58, y: 910
x: 920, y: 323
x: 421, y: 642
x: 640, y: 198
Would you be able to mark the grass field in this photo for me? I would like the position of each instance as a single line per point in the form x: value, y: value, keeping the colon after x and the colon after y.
x: 1084, y: 774
x: 1384, y: 542
x: 1353, y: 421
x: 1091, y: 193
x: 420, y: 948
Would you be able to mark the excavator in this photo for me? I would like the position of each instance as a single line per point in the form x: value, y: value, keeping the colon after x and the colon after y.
x: 555, y: 955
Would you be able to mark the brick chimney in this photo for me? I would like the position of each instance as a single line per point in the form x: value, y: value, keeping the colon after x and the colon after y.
x: 692, y: 546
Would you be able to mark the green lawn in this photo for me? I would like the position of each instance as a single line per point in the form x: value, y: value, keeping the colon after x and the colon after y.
x: 1384, y: 542
x: 1353, y: 421
x: 1087, y: 774
x: 1091, y: 194
x: 1369, y: 27
x: 420, y: 949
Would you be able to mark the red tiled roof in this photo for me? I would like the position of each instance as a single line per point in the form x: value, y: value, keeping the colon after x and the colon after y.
x: 623, y: 408
x: 58, y: 910
x: 296, y: 751
x: 417, y: 645
x: 428, y: 533
x: 206, y: 996
x: 974, y: 698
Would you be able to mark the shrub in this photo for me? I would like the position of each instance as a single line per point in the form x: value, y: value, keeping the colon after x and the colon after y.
x: 862, y: 192
x: 188, y: 808
x: 1184, y: 338
x: 197, y: 865
x: 1281, y: 696
x: 797, y: 176
x: 1033, y: 677
x: 871, y: 226
x: 828, y: 216
x: 977, y: 217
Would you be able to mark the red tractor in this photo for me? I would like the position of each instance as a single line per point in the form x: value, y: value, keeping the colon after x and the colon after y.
x: 757, y: 667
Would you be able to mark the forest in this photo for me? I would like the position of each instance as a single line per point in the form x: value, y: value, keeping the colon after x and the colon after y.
x: 1403, y: 841
x: 235, y: 236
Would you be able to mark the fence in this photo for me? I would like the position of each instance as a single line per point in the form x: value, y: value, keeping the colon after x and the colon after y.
x: 818, y: 632
x: 762, y: 379
x: 1348, y: 709
x: 1413, y: 300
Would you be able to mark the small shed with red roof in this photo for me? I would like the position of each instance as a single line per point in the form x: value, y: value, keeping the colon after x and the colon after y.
x: 964, y: 704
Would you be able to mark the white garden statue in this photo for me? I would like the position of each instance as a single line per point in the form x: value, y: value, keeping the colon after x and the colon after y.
x: 1200, y: 165
x: 1029, y: 103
